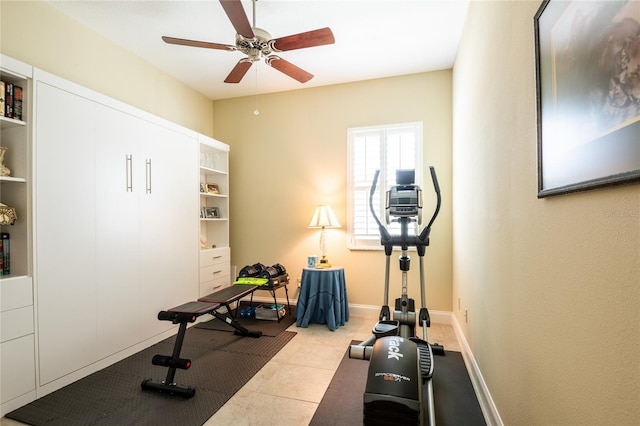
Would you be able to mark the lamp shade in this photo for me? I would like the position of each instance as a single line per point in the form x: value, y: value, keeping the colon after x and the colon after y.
x: 324, y: 217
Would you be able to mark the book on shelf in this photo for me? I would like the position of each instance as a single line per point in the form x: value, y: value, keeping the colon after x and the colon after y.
x: 6, y: 255
x: 8, y: 99
x: 2, y: 111
x: 17, y: 102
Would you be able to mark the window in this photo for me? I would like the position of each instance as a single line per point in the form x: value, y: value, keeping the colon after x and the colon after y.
x: 384, y: 148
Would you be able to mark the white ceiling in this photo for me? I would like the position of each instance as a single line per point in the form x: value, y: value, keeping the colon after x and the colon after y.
x: 374, y: 38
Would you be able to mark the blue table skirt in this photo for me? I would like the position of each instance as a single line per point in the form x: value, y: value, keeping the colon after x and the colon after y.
x: 323, y: 298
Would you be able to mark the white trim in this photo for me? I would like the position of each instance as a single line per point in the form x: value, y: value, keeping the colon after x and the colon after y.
x: 438, y: 317
x: 488, y: 407
x: 15, y: 68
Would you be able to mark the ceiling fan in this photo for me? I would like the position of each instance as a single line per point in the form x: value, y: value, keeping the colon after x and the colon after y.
x: 256, y: 43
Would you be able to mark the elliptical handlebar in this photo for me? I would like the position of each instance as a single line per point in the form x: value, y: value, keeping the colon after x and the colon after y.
x: 383, y: 230
x: 436, y: 188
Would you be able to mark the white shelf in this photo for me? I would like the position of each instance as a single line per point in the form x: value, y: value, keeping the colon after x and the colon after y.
x: 6, y: 123
x: 4, y: 179
x: 205, y: 194
x: 207, y: 170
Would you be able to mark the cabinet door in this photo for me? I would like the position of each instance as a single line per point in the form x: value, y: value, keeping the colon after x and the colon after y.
x: 17, y: 363
x: 118, y: 188
x: 64, y: 220
x: 168, y: 224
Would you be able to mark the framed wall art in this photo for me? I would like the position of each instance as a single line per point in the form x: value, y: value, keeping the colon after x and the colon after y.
x: 587, y: 57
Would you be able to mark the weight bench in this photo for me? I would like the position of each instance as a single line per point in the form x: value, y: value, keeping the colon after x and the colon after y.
x: 188, y: 313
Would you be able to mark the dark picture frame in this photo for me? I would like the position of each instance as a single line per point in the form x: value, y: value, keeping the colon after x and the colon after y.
x: 211, y: 212
x: 587, y: 95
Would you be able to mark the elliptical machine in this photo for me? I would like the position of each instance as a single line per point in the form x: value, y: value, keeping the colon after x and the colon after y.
x: 400, y: 363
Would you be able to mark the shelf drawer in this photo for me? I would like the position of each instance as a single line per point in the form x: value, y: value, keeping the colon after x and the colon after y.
x: 18, y: 374
x: 213, y: 272
x: 16, y: 293
x: 16, y: 323
x: 215, y: 256
x: 208, y: 287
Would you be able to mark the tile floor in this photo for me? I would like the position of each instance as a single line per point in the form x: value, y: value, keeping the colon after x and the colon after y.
x: 291, y: 385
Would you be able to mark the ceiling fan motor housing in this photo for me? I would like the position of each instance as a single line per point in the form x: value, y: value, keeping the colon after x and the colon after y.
x: 256, y: 47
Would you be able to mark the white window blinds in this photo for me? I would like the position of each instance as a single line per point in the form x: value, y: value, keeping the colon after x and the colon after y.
x: 384, y: 148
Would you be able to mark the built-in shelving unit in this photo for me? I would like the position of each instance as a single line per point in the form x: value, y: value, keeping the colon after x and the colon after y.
x: 17, y: 375
x: 215, y: 254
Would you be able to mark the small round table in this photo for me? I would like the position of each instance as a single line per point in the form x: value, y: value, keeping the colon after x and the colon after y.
x: 323, y: 298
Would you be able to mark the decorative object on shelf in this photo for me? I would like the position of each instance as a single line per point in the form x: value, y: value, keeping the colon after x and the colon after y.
x: 203, y: 242
x: 4, y: 170
x: 211, y: 212
x: 8, y: 215
x: 324, y: 217
x: 213, y: 188
x: 209, y: 160
x: 587, y: 94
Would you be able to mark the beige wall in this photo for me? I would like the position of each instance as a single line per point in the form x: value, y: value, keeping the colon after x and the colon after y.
x: 293, y: 156
x: 38, y: 34
x: 284, y: 162
x: 552, y: 285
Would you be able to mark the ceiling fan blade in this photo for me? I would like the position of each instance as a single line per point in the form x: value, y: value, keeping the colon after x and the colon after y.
x: 307, y: 39
x: 239, y: 71
x: 238, y: 17
x: 288, y: 68
x: 194, y: 43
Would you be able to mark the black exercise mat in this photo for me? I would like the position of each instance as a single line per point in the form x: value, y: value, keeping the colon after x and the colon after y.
x: 268, y: 328
x: 454, y: 398
x: 221, y: 364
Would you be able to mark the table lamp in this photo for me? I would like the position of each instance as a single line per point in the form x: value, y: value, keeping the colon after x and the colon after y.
x: 324, y: 217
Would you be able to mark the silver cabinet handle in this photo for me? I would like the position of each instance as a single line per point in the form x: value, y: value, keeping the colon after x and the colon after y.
x: 129, y: 172
x: 217, y: 272
x: 148, y: 165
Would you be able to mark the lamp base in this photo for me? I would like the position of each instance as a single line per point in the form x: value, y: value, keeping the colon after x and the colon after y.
x: 323, y: 263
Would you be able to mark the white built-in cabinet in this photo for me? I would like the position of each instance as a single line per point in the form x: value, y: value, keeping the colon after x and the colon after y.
x: 107, y: 234
x: 116, y: 240
x: 215, y: 254
x: 17, y: 356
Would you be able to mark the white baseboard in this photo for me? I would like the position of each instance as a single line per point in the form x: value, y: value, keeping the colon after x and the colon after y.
x: 438, y: 317
x: 488, y: 407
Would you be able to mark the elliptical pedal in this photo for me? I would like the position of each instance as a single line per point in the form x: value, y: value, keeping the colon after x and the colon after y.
x: 426, y: 366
